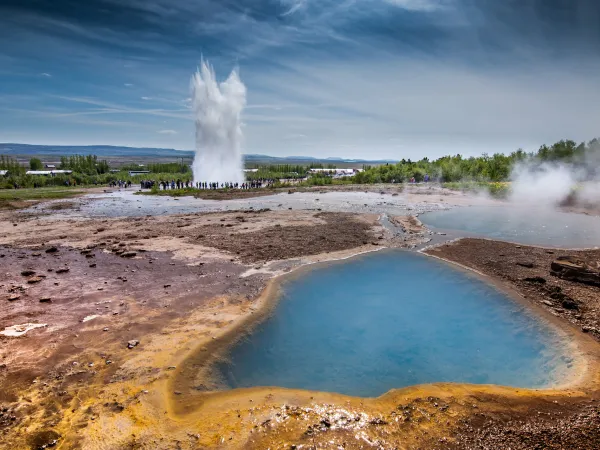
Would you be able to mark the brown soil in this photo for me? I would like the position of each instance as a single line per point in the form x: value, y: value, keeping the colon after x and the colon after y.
x: 234, y: 194
x: 339, y: 231
x: 566, y: 426
x: 408, y: 224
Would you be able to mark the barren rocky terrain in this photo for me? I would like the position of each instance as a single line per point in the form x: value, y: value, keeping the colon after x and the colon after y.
x: 107, y: 323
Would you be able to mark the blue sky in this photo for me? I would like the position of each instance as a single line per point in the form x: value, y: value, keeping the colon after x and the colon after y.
x: 353, y: 78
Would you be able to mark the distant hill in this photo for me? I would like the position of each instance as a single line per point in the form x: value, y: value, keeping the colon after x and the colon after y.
x: 106, y: 151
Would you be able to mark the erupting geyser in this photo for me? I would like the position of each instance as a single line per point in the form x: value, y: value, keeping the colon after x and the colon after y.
x: 217, y: 111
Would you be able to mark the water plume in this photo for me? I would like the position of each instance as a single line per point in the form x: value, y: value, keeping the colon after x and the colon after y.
x: 217, y: 111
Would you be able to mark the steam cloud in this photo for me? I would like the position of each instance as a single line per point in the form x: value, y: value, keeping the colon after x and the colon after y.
x: 549, y: 184
x: 217, y: 111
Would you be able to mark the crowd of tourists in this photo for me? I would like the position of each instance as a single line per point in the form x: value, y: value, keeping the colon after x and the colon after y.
x: 204, y: 185
x: 120, y: 184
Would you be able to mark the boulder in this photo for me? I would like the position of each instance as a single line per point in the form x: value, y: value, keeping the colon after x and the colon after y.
x: 574, y: 269
x: 535, y: 280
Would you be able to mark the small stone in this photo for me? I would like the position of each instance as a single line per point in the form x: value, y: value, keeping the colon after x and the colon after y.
x: 34, y: 280
x: 167, y: 286
x: 45, y: 300
x: 93, y: 265
x: 14, y: 297
x: 128, y: 254
x: 62, y: 270
x: 28, y: 273
x: 527, y: 264
x: 133, y: 343
x: 105, y: 329
x: 52, y: 250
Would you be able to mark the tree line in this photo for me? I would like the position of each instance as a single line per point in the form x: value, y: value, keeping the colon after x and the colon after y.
x: 89, y: 170
x: 494, y: 168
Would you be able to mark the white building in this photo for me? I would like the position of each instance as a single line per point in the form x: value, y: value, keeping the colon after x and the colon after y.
x: 336, y: 172
x: 48, y: 172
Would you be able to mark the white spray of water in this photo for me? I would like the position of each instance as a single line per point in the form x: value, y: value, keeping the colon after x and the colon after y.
x: 217, y: 111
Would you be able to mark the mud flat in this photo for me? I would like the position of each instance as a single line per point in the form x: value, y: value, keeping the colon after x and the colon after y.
x: 134, y: 307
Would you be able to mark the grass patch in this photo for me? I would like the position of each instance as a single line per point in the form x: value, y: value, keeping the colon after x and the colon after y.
x: 22, y: 198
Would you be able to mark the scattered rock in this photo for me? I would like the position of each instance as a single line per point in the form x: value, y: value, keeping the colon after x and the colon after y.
x: 52, y: 250
x: 45, y: 300
x: 93, y: 265
x: 535, y: 280
x: 527, y: 264
x: 28, y: 273
x: 62, y: 270
x: 569, y: 303
x: 128, y: 254
x: 573, y: 269
x: 132, y: 343
x: 34, y: 280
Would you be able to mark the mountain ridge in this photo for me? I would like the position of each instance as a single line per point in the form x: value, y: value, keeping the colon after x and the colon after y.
x: 105, y: 151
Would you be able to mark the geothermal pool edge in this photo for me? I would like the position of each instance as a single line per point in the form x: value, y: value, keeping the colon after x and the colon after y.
x: 585, y: 352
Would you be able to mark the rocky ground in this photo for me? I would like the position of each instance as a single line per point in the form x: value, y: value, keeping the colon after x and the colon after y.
x: 104, y: 317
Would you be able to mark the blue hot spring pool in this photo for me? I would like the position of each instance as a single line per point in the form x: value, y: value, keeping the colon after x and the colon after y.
x: 392, y: 319
x: 531, y: 225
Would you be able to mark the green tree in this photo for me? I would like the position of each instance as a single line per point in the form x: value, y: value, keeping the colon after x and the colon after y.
x: 36, y: 164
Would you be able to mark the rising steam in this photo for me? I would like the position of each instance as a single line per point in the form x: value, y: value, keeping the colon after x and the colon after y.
x: 549, y: 184
x: 217, y: 112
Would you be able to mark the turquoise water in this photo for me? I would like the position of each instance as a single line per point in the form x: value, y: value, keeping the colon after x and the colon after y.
x: 393, y: 319
x: 535, y: 226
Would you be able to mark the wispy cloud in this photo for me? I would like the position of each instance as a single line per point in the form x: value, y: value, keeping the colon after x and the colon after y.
x: 45, y: 74
x: 167, y: 132
x: 419, y: 5
x: 296, y: 5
